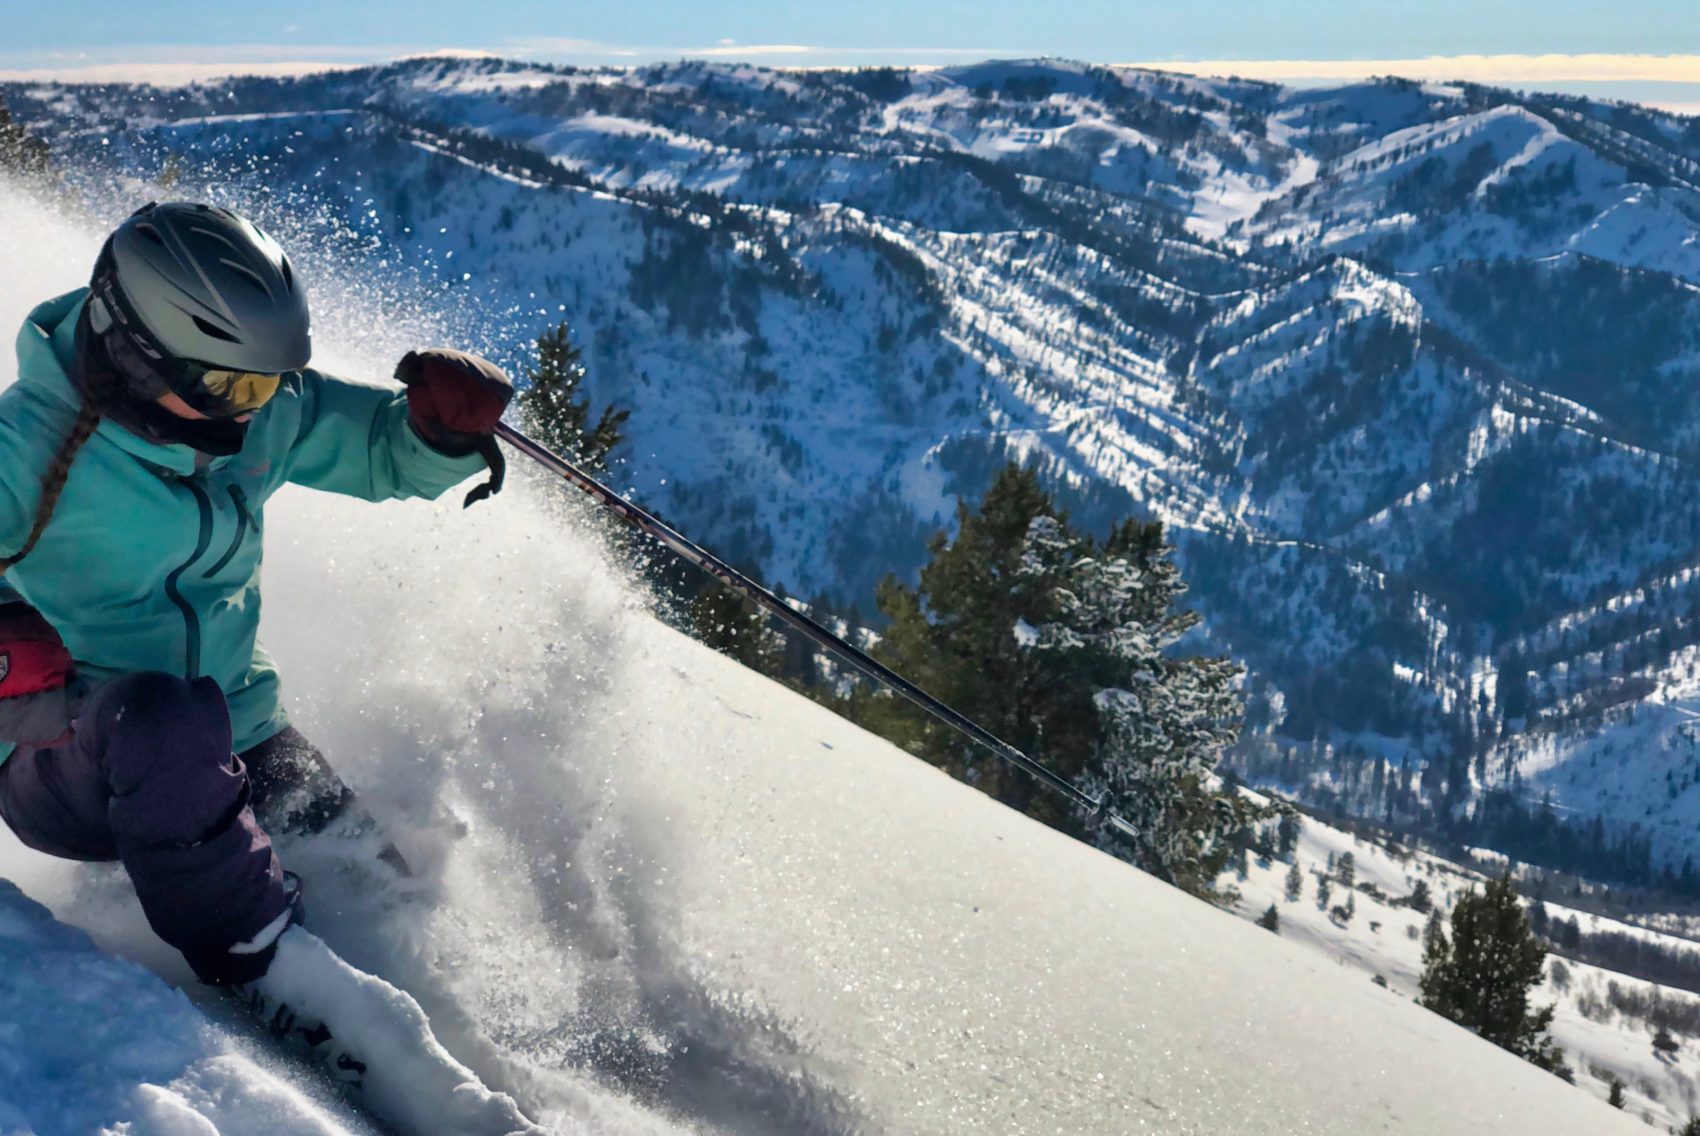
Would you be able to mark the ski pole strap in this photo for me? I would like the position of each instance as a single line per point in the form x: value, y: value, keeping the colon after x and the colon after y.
x: 869, y: 666
x: 498, y: 463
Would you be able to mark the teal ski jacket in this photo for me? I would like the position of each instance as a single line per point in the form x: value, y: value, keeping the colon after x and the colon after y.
x: 152, y: 559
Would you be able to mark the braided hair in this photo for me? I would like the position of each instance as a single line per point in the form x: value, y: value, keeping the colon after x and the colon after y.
x: 53, y: 481
x: 91, y: 375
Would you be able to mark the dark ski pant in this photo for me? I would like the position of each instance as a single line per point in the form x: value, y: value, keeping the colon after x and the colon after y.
x: 150, y: 780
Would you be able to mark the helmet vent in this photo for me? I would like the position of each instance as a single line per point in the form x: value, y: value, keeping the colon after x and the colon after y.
x: 143, y: 229
x: 248, y: 274
x: 215, y: 246
x: 288, y: 275
x: 213, y: 330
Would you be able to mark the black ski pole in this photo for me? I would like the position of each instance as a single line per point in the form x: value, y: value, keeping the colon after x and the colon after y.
x: 874, y: 669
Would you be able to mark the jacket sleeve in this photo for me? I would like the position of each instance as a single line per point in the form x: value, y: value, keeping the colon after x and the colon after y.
x: 356, y: 439
x: 36, y: 658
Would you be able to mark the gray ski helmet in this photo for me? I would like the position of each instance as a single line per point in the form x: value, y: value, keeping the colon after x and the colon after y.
x: 190, y: 283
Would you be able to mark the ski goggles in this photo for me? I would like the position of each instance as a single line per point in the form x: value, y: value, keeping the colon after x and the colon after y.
x: 224, y: 394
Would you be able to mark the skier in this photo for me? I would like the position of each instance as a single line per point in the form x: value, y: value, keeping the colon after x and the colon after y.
x: 153, y: 414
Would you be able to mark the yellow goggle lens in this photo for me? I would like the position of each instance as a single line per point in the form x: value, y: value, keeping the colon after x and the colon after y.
x: 241, y: 390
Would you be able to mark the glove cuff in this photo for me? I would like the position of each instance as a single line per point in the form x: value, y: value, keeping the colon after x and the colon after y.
x: 31, y: 667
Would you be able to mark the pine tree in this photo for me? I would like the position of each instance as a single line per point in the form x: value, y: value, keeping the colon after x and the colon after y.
x: 1324, y: 889
x: 552, y: 403
x: 1270, y: 920
x: 1513, y: 687
x: 1616, y: 1098
x: 1692, y: 1128
x: 1483, y: 977
x: 1437, y: 960
x: 1264, y: 845
x: 1664, y: 1043
x: 1568, y: 933
x: 1287, y: 833
x: 1540, y: 920
x: 958, y: 636
x: 1166, y: 722
x: 21, y: 152
x: 1347, y: 869
x: 1295, y: 883
x: 1421, y: 901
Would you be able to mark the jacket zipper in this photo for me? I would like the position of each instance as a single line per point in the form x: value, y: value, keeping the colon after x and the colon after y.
x: 192, y: 622
x: 240, y: 500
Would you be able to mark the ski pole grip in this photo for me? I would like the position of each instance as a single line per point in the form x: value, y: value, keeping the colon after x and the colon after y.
x: 493, y: 457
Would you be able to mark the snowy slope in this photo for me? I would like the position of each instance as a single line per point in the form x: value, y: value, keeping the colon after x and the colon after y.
x: 90, y: 1041
x: 687, y: 900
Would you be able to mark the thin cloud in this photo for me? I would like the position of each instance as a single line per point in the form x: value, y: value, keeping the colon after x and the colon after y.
x: 168, y: 65
x: 752, y: 50
x: 201, y: 53
x: 568, y: 46
x: 172, y: 74
x: 1598, y: 68
x: 177, y: 64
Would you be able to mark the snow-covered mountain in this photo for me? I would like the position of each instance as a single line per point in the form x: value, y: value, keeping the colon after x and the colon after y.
x: 1409, y: 369
x: 661, y: 894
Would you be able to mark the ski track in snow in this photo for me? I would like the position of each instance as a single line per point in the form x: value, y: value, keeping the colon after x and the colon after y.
x: 662, y: 895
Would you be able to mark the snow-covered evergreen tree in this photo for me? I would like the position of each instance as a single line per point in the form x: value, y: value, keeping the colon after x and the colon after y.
x: 1061, y: 645
x: 553, y: 403
x: 1165, y: 721
x: 1263, y: 843
x: 966, y: 634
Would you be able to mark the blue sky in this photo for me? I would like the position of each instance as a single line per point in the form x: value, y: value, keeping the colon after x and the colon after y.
x: 1643, y: 48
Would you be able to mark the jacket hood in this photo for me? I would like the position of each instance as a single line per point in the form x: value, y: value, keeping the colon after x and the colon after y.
x: 47, y: 350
